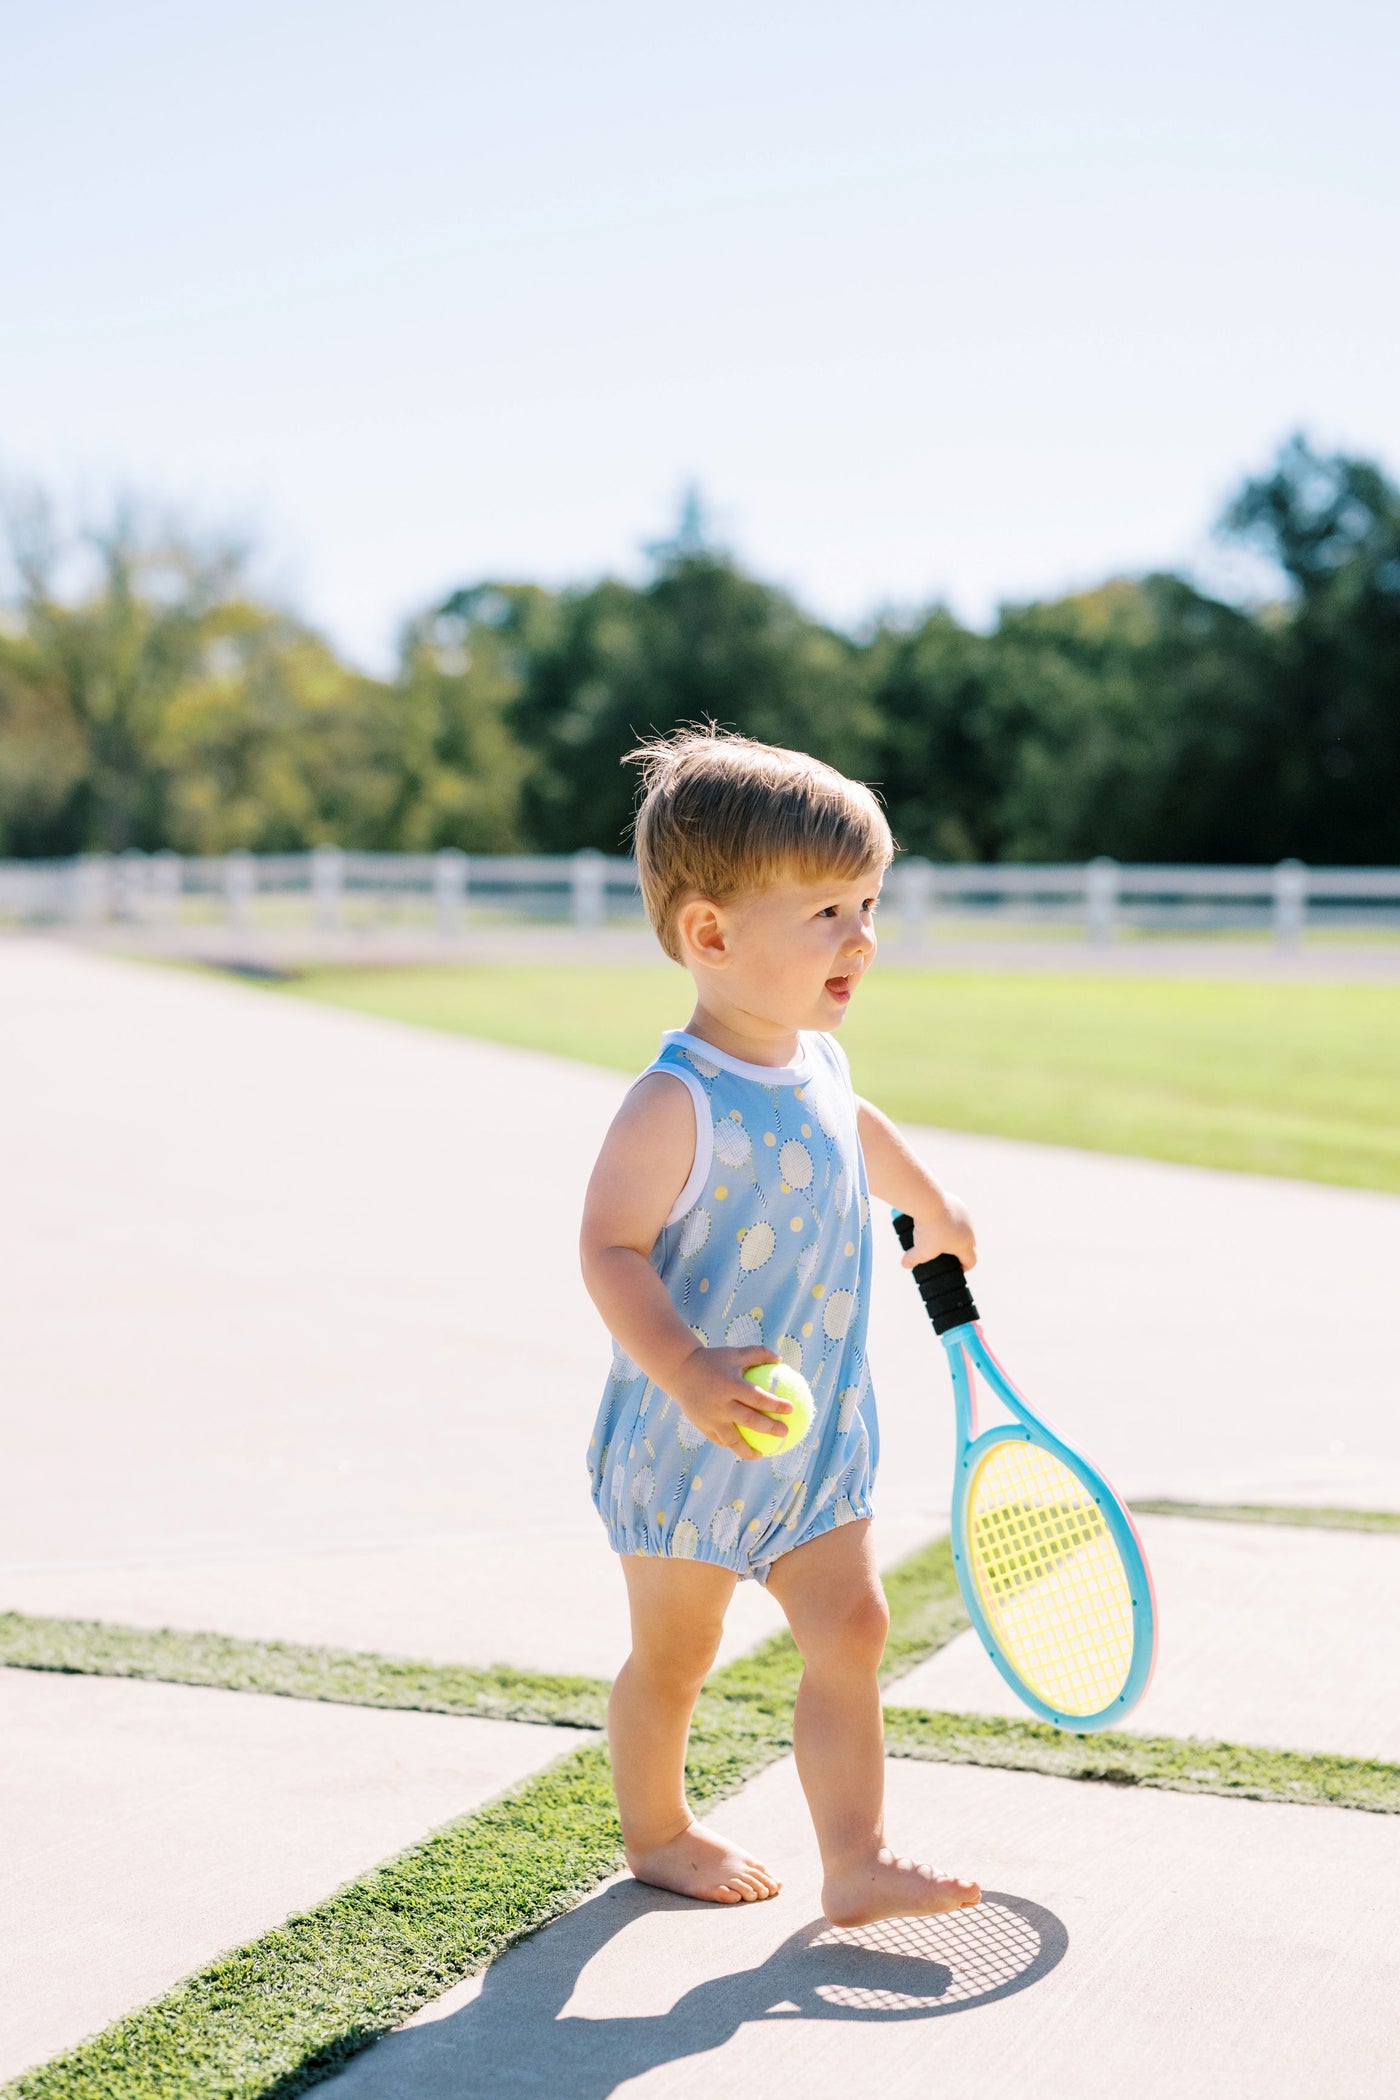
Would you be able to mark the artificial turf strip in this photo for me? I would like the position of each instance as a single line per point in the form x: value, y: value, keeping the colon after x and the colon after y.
x: 925, y: 1612
x: 1276, y: 1513
x: 273, y: 2018
x: 277, y: 2016
x: 1182, y: 1765
x: 91, y: 1648
x: 285, y: 2011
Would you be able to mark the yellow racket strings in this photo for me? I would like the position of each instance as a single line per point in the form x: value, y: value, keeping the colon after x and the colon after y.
x: 1050, y: 1578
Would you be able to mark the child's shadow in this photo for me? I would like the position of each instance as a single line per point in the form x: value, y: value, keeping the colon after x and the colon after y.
x: 515, y: 2039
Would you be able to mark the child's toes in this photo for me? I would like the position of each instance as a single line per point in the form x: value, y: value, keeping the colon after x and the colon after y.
x: 754, y: 1870
x: 700, y: 1863
x: 763, y: 1882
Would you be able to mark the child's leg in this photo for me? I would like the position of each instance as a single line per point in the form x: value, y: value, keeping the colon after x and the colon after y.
x: 830, y: 1591
x: 678, y: 1612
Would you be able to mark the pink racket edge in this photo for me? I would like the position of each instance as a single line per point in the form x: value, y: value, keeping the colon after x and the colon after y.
x: 1044, y: 1422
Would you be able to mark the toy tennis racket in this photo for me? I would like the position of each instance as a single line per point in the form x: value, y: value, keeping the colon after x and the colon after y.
x: 1050, y: 1567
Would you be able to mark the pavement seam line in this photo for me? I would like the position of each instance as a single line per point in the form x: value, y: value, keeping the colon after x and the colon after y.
x: 1293, y: 1514
x: 270, y: 2019
x: 925, y: 1612
x: 1178, y: 1764
x: 296, y: 1670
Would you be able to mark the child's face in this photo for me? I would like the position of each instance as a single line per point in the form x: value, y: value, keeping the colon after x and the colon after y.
x: 791, y: 955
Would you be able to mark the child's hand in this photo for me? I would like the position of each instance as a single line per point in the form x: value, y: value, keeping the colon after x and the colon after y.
x: 709, y: 1390
x: 944, y: 1229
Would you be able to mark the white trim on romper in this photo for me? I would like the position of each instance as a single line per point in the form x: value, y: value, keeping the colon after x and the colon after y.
x: 766, y: 1075
x: 704, y: 1136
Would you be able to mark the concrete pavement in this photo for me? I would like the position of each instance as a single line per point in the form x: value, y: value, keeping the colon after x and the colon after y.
x: 272, y: 1281
x: 147, y: 1827
x: 1132, y: 1942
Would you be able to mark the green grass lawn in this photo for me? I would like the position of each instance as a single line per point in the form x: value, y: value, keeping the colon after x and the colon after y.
x: 1274, y: 1079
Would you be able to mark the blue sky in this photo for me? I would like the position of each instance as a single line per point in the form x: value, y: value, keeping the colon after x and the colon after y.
x: 930, y: 301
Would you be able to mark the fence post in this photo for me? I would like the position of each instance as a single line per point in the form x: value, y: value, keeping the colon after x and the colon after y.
x: 240, y: 887
x: 1101, y: 899
x: 90, y: 896
x: 1290, y: 885
x: 915, y: 898
x: 327, y: 885
x: 166, y: 881
x: 588, y: 894
x: 450, y: 890
x: 131, y: 886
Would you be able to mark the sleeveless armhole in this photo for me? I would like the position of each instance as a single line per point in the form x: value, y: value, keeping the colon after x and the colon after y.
x: 704, y: 1137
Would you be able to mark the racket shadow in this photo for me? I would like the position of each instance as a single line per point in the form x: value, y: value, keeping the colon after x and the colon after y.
x: 517, y: 2037
x: 927, y: 1967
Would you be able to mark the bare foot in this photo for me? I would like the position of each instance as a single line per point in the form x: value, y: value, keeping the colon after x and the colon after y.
x: 703, y: 1864
x: 886, y: 1887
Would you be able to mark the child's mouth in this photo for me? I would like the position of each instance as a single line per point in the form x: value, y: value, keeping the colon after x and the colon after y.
x: 840, y: 989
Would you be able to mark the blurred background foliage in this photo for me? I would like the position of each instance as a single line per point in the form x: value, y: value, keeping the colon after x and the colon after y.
x: 157, y: 703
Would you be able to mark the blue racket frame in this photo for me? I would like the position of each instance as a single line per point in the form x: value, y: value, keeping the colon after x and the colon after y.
x: 966, y: 1347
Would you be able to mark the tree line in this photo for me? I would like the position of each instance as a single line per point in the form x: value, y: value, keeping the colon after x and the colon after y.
x: 161, y: 703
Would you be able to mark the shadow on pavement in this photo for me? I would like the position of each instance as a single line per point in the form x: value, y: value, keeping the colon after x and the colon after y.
x: 515, y: 2037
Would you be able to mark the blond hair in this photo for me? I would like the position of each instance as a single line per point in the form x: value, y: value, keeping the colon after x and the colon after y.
x: 722, y: 814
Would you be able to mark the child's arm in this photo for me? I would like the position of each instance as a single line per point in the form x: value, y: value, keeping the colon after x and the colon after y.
x: 941, y: 1224
x: 645, y: 1162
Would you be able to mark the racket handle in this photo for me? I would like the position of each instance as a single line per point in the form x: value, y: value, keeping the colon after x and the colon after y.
x: 942, y: 1284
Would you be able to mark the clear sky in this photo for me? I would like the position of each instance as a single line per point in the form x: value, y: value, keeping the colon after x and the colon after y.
x: 929, y: 299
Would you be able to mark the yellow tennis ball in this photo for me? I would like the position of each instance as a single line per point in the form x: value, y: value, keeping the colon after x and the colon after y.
x: 784, y: 1384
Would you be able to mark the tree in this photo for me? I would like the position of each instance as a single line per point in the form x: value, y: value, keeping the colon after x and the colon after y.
x: 157, y: 703
x: 86, y: 681
x: 269, y: 743
x: 444, y: 737
x: 148, y: 699
x: 931, y: 689
x: 1327, y: 763
x: 43, y: 753
x: 700, y: 641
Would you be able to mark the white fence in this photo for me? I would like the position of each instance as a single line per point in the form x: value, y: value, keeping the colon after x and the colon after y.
x: 449, y: 891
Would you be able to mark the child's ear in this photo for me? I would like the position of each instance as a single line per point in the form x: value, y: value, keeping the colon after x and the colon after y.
x: 701, y: 931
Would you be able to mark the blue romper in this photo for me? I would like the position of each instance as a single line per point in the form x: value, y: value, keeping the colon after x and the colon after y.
x: 768, y: 1242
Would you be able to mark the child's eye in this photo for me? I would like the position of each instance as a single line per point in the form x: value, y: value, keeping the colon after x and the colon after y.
x: 831, y: 911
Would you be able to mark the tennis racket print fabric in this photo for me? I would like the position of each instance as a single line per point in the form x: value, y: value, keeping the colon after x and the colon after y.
x: 1050, y: 1566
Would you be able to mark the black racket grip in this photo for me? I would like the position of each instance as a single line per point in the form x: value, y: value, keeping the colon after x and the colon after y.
x: 942, y: 1284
